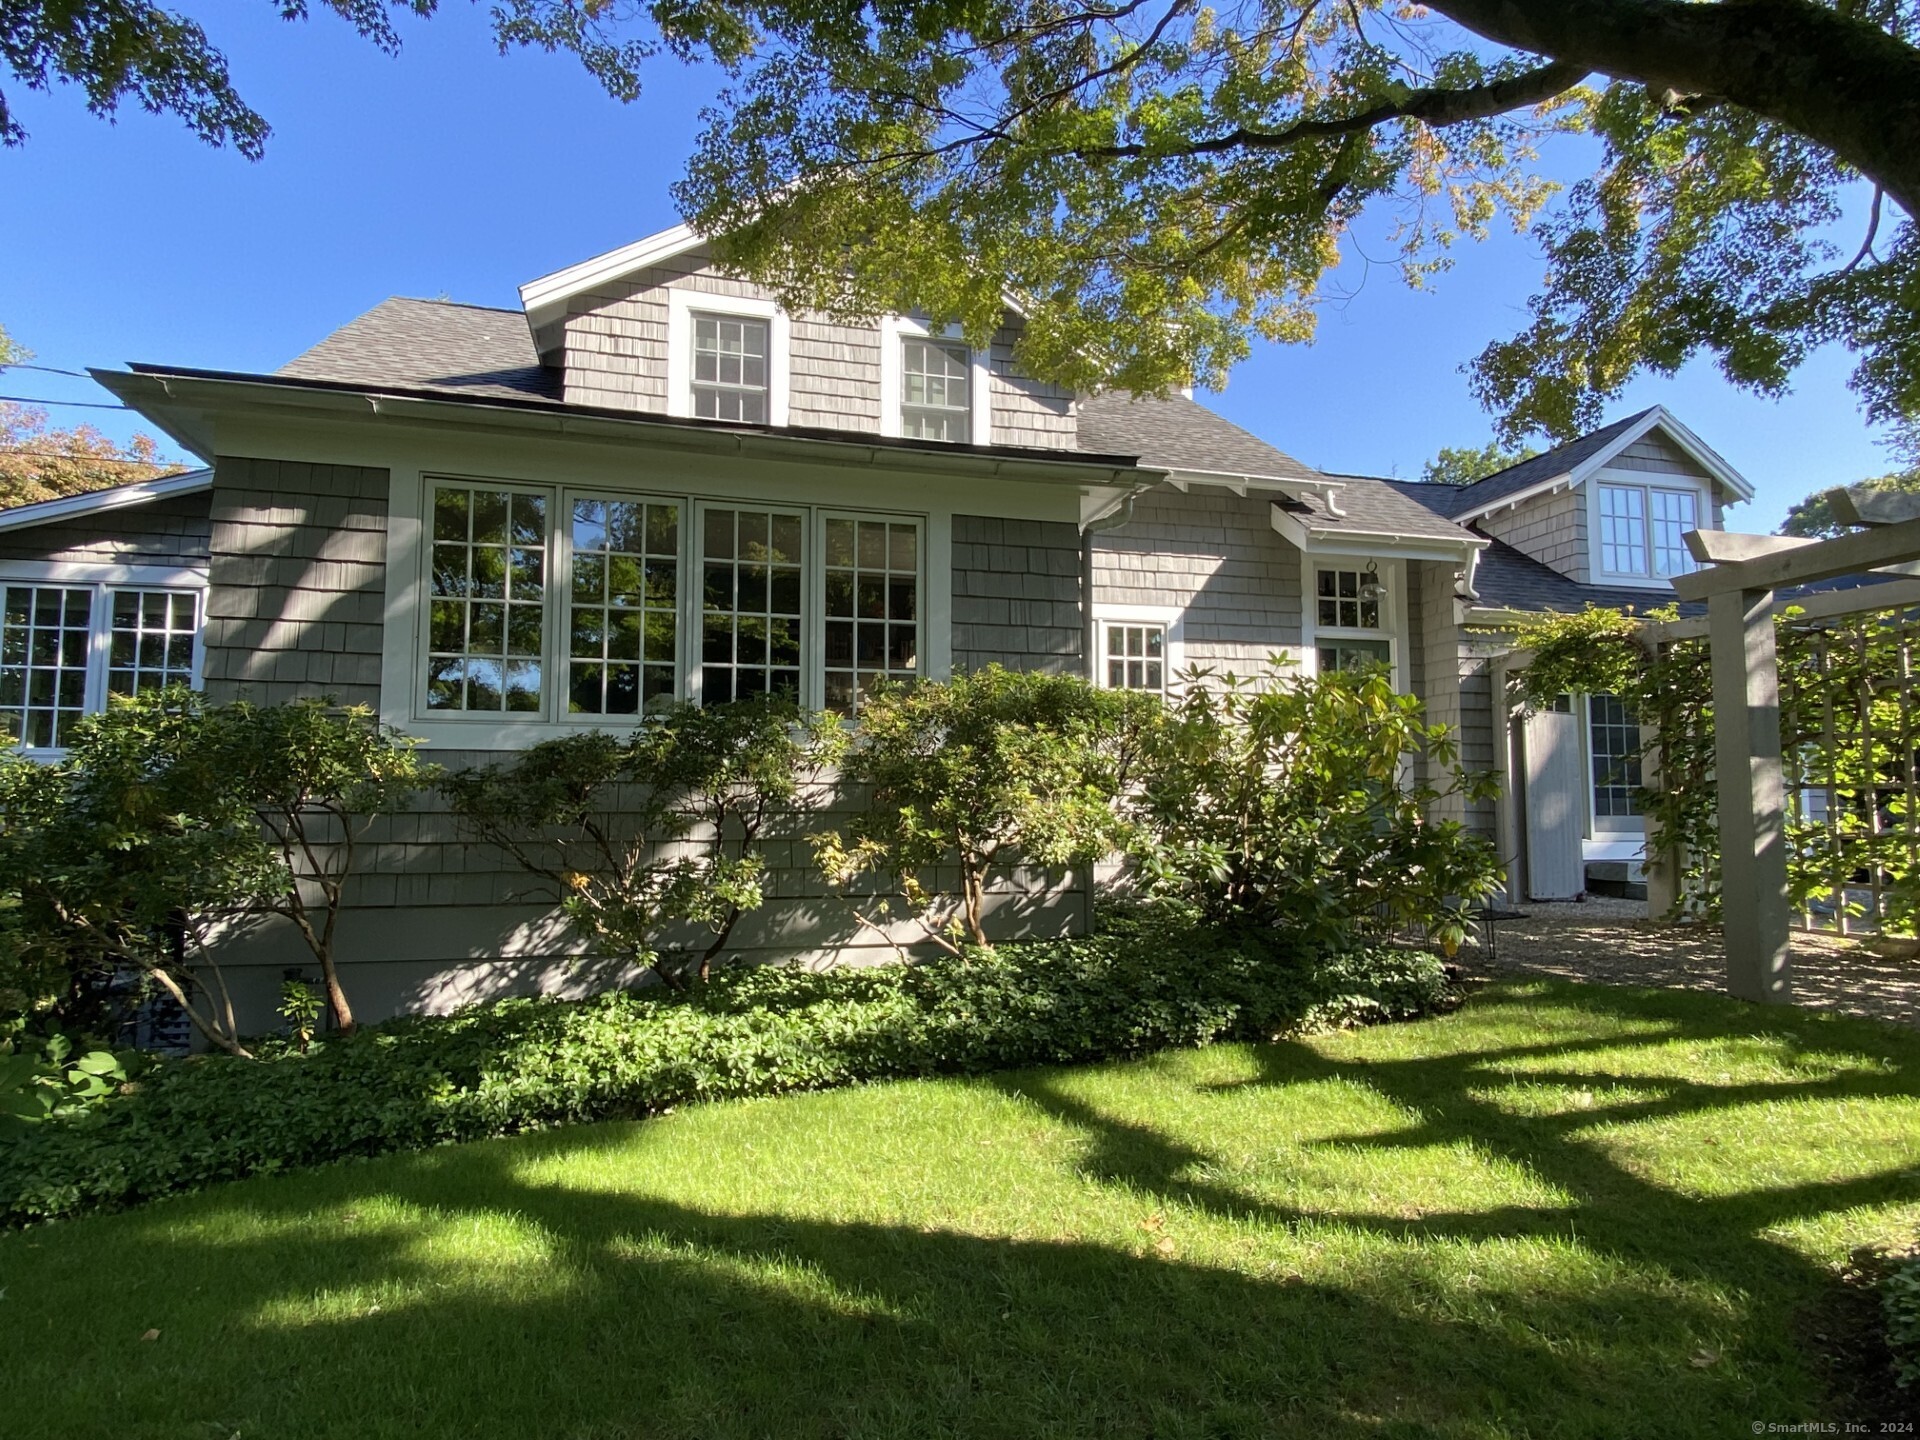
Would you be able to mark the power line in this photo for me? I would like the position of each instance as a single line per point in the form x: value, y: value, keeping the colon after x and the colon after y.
x: 88, y: 459
x: 70, y: 404
x: 45, y: 369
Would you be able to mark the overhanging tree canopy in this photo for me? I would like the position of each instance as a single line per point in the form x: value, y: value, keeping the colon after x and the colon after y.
x: 1161, y: 182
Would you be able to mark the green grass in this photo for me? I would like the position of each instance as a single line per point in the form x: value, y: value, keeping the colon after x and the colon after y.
x: 1562, y: 1211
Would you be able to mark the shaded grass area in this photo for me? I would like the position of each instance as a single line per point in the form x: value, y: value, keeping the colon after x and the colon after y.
x: 1562, y: 1210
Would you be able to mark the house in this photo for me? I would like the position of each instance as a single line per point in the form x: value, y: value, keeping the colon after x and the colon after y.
x: 498, y: 526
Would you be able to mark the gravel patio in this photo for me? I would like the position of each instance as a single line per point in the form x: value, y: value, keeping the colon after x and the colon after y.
x: 1612, y: 942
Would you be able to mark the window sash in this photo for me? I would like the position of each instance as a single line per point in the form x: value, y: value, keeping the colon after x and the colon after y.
x: 488, y: 641
x: 1337, y: 602
x: 1613, y: 735
x: 731, y: 370
x: 872, y: 604
x: 1641, y: 528
x: 936, y: 390
x: 67, y: 644
x: 1134, y: 655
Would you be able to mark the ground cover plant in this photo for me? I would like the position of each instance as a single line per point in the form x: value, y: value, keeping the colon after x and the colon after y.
x: 1562, y: 1210
x: 518, y: 1064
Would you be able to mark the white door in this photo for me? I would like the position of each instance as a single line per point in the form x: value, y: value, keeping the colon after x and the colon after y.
x: 1556, y: 818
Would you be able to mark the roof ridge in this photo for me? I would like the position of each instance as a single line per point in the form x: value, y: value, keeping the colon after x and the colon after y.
x: 454, y: 305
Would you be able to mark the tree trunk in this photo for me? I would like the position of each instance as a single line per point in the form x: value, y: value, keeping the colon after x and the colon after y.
x: 976, y: 886
x: 336, y: 996
x: 1843, y: 83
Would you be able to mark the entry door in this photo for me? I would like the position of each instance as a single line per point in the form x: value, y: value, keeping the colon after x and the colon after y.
x: 1556, y: 803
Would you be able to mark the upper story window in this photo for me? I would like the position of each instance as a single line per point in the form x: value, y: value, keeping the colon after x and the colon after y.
x: 934, y: 390
x: 1641, y: 528
x: 67, y: 643
x: 1347, y: 600
x: 731, y: 377
x: 1349, y: 628
x: 657, y: 598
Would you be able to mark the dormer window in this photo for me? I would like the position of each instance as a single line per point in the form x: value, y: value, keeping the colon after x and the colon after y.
x: 730, y: 371
x: 934, y: 390
x: 1641, y: 530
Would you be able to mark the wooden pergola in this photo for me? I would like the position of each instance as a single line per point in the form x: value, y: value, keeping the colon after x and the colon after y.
x: 1739, y: 581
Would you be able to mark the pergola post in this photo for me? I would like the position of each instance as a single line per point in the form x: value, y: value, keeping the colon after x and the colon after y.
x: 1753, y: 832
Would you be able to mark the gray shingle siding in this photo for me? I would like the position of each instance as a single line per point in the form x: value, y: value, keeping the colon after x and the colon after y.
x: 1214, y: 557
x: 171, y: 531
x: 1016, y: 595
x: 297, y: 585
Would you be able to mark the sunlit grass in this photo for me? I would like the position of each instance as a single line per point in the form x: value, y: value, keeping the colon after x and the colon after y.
x: 1562, y: 1211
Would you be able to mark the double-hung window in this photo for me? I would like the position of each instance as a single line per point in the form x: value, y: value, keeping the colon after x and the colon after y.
x: 1641, y: 530
x: 562, y: 605
x: 1346, y: 612
x: 66, y: 644
x: 732, y: 377
x: 935, y: 390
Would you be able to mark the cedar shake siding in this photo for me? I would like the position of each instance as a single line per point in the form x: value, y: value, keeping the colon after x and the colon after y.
x: 1550, y: 528
x: 170, y: 531
x: 297, y: 594
x: 1016, y: 595
x: 1213, y: 557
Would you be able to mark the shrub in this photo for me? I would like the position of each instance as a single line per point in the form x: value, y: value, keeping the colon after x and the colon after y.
x: 169, y: 815
x: 1900, y: 1305
x: 1290, y: 803
x: 632, y: 835
x: 518, y: 1064
x: 989, y: 769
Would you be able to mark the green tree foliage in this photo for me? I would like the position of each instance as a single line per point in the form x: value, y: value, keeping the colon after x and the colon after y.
x: 1306, y: 805
x: 1462, y: 464
x: 40, y: 462
x: 635, y: 837
x: 1813, y: 517
x: 1161, y: 183
x: 169, y: 817
x: 986, y: 771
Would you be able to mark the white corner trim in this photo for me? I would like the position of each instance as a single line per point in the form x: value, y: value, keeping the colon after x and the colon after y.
x: 144, y: 492
x: 550, y: 292
x: 896, y: 328
x: 683, y: 304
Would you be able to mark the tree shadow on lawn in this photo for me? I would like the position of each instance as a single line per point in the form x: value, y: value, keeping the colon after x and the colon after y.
x: 601, y: 1314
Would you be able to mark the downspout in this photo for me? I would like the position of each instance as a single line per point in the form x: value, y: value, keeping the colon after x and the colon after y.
x: 1089, y: 651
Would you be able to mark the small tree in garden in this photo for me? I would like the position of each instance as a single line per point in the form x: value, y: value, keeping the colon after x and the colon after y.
x: 987, y: 770
x: 632, y: 836
x: 1288, y: 802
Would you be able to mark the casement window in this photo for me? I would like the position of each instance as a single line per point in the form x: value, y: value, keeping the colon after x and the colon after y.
x: 67, y: 643
x: 935, y: 381
x: 1641, y: 528
x: 731, y: 376
x: 1137, y: 648
x: 1613, y: 745
x: 655, y: 599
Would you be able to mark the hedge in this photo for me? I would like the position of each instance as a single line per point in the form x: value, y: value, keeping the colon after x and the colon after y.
x: 520, y: 1064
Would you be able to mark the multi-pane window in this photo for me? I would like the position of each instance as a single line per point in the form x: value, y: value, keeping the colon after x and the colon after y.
x: 150, y: 640
x: 1614, y: 742
x: 1352, y: 655
x: 46, y: 634
x: 1641, y: 528
x: 1673, y: 513
x: 751, y: 609
x: 730, y: 368
x: 872, y: 625
x: 623, y: 607
x: 935, y: 390
x: 487, y: 606
x: 1136, y: 656
x: 1340, y: 605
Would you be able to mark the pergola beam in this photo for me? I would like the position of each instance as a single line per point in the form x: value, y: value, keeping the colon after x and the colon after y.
x: 1806, y: 565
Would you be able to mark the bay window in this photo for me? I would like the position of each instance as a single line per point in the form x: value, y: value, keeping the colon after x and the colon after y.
x: 655, y: 599
x: 67, y: 642
x: 1641, y: 530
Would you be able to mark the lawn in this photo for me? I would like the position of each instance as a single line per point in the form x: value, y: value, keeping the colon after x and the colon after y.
x: 1562, y: 1210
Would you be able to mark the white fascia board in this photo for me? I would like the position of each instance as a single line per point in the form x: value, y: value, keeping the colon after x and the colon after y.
x: 545, y: 297
x: 1659, y: 419
x: 45, y: 512
x: 1564, y: 481
x: 1387, y: 545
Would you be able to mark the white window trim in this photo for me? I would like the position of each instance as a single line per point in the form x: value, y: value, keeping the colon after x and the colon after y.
x: 103, y: 579
x: 684, y: 304
x: 408, y: 613
x: 1645, y: 481
x: 1393, y: 611
x: 894, y: 330
x: 1169, y: 618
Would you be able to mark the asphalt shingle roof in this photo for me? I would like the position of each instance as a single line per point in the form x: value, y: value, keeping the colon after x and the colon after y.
x: 1553, y: 464
x: 432, y: 345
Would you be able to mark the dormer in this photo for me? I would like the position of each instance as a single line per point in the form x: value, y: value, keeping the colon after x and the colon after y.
x: 656, y: 326
x: 1609, y: 508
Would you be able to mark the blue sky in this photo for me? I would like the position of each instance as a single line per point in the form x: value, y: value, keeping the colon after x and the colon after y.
x: 453, y: 171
